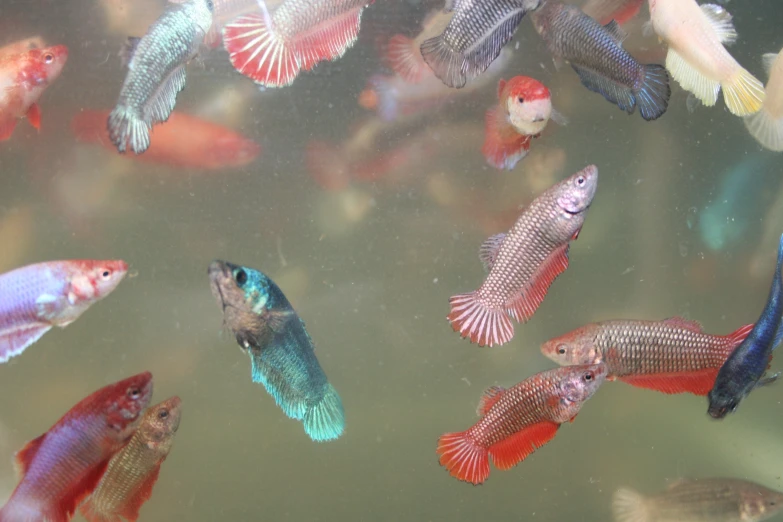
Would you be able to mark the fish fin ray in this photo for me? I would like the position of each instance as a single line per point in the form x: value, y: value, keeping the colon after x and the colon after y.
x: 463, y: 457
x: 483, y: 325
x: 503, y: 146
x: 698, y: 382
x: 325, y: 420
x: 559, y: 118
x: 128, y: 130
x: 766, y: 129
x: 34, y: 116
x: 768, y: 61
x: 77, y: 492
x: 159, y: 108
x: 289, y: 400
x: 743, y: 93
x: 629, y: 506
x: 509, y: 452
x: 405, y: 59
x: 7, y: 127
x: 736, y: 337
x: 444, y: 62
x: 140, y: 495
x: 620, y: 95
x: 767, y: 380
x: 681, y: 322
x: 720, y: 22
x: 488, y: 399
x: 14, y: 342
x: 488, y: 251
x: 653, y: 96
x: 328, y: 40
x: 24, y: 457
x: 523, y: 305
x: 705, y: 89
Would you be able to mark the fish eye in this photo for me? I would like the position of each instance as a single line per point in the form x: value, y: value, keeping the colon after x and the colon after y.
x: 163, y: 414
x: 521, y: 99
x: 561, y: 350
x: 210, y: 6
x: 134, y: 393
x: 240, y: 276
x: 580, y: 180
x: 48, y: 58
x: 106, y: 274
x: 588, y: 376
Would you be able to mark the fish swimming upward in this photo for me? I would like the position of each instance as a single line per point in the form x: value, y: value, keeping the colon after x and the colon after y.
x: 63, y: 466
x: 36, y: 297
x: 596, y: 53
x: 156, y: 72
x: 517, y: 421
x: 272, y: 49
x: 767, y: 124
x: 523, y: 263
x: 745, y: 368
x: 697, y: 59
x: 133, y: 471
x: 670, y: 356
x: 474, y: 37
x: 280, y: 349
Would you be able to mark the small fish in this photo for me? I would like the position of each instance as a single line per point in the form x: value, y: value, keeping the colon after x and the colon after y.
x: 183, y: 141
x: 699, y: 500
x: 597, y: 55
x: 36, y: 297
x: 23, y: 79
x: 133, y: 472
x: 604, y: 11
x: 156, y: 72
x: 767, y: 124
x: 473, y: 38
x: 670, y: 356
x: 697, y: 59
x: 282, y: 354
x: 272, y: 49
x: 403, y: 54
x: 523, y: 263
x: 745, y: 368
x: 63, y: 466
x: 522, y: 114
x: 518, y: 420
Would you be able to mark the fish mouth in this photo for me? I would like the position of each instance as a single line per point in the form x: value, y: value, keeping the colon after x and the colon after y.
x: 217, y: 271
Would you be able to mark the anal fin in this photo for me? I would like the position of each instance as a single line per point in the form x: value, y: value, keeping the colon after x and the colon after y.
x: 620, y: 95
x: 24, y: 457
x: 523, y: 306
x: 691, y: 80
x: 14, y: 342
x: 513, y: 450
x: 696, y: 382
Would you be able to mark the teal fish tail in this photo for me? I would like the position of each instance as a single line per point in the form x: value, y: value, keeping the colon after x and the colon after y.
x: 325, y: 420
x: 293, y: 404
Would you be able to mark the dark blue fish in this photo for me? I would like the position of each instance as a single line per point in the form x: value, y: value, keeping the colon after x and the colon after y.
x: 280, y: 349
x: 745, y: 368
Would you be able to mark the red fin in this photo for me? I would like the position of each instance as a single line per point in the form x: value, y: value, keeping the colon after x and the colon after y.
x: 78, y: 491
x: 405, y: 59
x: 87, y: 509
x: 488, y: 399
x: 503, y: 145
x: 627, y: 11
x: 482, y: 325
x: 737, y: 336
x: 328, y: 40
x: 688, y: 324
x: 7, y: 128
x: 15, y: 342
x: 24, y: 457
x: 697, y: 382
x: 327, y: 166
x: 527, y: 302
x: 509, y: 452
x: 34, y: 116
x: 463, y: 457
x: 139, y: 496
x: 501, y: 86
x: 256, y: 51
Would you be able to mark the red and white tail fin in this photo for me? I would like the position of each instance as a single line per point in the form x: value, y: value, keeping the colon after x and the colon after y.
x: 463, y: 457
x: 474, y: 320
x: 405, y: 59
x: 329, y: 39
x: 503, y: 146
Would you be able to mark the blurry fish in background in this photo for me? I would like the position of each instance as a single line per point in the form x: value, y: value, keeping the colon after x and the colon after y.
x: 271, y: 49
x: 281, y: 351
x: 37, y: 297
x: 597, y: 55
x: 183, y: 141
x: 516, y: 421
x: 746, y: 367
x: 132, y: 473
x: 699, y: 500
x: 403, y: 54
x: 604, y: 11
x: 767, y: 124
x: 697, y: 59
x: 524, y: 110
x: 22, y: 46
x: 156, y: 72
x: 473, y: 38
x: 24, y: 77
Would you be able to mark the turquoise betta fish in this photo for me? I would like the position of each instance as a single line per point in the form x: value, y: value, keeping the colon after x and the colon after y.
x: 280, y: 349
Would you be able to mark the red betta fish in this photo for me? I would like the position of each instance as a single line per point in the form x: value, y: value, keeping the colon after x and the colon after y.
x: 669, y: 356
x: 272, y: 49
x: 64, y: 465
x: 183, y: 141
x: 517, y: 421
x: 523, y: 263
x: 23, y: 79
x: 522, y: 114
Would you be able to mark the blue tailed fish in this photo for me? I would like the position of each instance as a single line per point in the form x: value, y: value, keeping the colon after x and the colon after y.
x: 281, y: 352
x: 745, y: 368
x: 156, y: 72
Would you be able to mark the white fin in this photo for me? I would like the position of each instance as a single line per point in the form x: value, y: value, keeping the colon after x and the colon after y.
x: 767, y: 130
x: 743, y: 93
x: 692, y: 80
x: 647, y: 29
x: 768, y: 60
x: 692, y: 103
x: 720, y: 20
x: 629, y: 506
x: 558, y: 118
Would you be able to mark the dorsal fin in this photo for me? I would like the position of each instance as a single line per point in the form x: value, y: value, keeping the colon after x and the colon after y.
x: 501, y: 86
x: 128, y: 49
x: 25, y: 456
x: 489, y: 250
x: 720, y: 21
x: 488, y: 399
x: 616, y: 32
x: 681, y: 322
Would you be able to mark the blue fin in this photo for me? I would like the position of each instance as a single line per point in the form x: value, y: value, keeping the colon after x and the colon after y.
x: 779, y: 279
x: 653, y: 97
x: 326, y: 419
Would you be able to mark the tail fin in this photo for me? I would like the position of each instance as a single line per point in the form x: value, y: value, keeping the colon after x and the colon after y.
x: 405, y: 59
x: 503, y: 147
x: 767, y: 129
x: 447, y: 64
x: 463, y: 457
x: 326, y: 419
x: 743, y: 93
x: 629, y: 506
x: 653, y: 97
x: 482, y: 325
x: 127, y: 129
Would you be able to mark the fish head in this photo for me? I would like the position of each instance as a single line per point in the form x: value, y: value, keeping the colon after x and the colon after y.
x: 528, y: 103
x: 727, y: 392
x: 574, y: 348
x: 123, y: 403
x: 160, y: 423
x: 759, y: 503
x: 581, y: 383
x: 94, y: 280
x: 43, y: 66
x: 575, y: 194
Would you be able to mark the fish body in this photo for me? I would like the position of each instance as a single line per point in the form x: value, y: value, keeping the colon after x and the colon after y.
x: 183, y: 141
x: 23, y: 79
x: 281, y: 351
x: 518, y: 420
x: 37, y: 297
x: 699, y: 500
x: 523, y: 263
x: 745, y: 368
x: 596, y: 53
x: 697, y: 59
x: 63, y: 465
x: 133, y: 471
x: 271, y: 49
x: 767, y: 124
x: 604, y: 11
x: 670, y: 356
x: 156, y: 72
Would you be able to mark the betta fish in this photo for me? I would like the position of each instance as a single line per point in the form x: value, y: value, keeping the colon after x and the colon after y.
x: 281, y: 351
x: 767, y: 124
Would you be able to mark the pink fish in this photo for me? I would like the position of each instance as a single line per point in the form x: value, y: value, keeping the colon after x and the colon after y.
x: 36, y: 297
x: 523, y: 263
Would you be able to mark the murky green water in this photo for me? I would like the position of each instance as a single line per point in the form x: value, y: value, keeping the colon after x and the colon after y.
x: 370, y: 270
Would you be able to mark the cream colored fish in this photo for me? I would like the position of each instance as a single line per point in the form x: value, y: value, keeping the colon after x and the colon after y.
x: 697, y: 59
x: 767, y: 124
